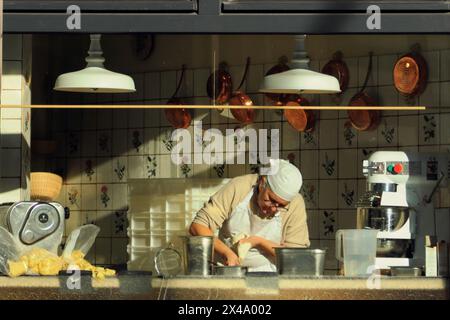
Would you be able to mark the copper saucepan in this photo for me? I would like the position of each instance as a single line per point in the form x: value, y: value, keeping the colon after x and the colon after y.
x: 337, y: 68
x: 300, y: 119
x: 179, y: 118
x: 364, y: 120
x: 239, y: 98
x: 220, y: 85
x: 411, y: 73
x: 282, y: 66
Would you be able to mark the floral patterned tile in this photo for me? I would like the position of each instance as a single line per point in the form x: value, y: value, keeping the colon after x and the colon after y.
x: 119, y: 224
x: 388, y: 132
x: 151, y: 166
x: 327, y: 224
x: 73, y: 144
x: 104, y: 196
x: 89, y: 170
x: 135, y: 142
x: 120, y: 169
x: 429, y: 129
x: 313, y: 224
x: 348, y: 193
x: 348, y: 137
x: 310, y: 193
x: 104, y: 140
x: 328, y: 164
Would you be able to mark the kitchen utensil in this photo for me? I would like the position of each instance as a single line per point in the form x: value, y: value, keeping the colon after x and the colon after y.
x: 300, y: 261
x: 337, y: 68
x: 179, y: 118
x: 220, y: 85
x: 282, y: 66
x: 364, y: 120
x: 45, y: 186
x: 394, y: 248
x: 406, y: 272
x: 411, y: 73
x: 382, y: 218
x: 300, y: 119
x: 357, y: 249
x: 239, y: 98
x: 230, y: 271
x: 198, y: 252
x: 168, y: 262
x: 34, y: 223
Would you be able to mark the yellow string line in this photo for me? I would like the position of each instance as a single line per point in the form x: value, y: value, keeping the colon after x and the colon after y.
x: 220, y: 107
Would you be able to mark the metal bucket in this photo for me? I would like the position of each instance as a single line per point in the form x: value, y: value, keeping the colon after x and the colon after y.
x: 300, y: 261
x: 198, y: 252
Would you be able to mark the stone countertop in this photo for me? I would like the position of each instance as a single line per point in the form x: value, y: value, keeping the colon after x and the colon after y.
x: 135, y: 286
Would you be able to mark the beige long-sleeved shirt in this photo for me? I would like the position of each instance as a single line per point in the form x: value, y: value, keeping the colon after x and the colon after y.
x: 220, y: 206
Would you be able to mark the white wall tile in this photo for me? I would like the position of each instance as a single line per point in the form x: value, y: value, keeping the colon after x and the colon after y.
x: 187, y: 87
x: 11, y: 133
x: 445, y: 128
x: 328, y: 190
x: 309, y: 160
x: 388, y: 132
x: 432, y: 58
x: 88, y: 170
x: 310, y: 193
x: 445, y: 95
x: 73, y: 196
x: 89, y: 119
x: 10, y: 190
x: 12, y: 75
x: 103, y: 251
x: 11, y: 97
x: 445, y: 65
x: 408, y: 127
x: 363, y: 64
x: 10, y: 164
x: 200, y: 80
x: 313, y: 224
x: 347, y: 163
x: 290, y: 137
x: 347, y: 219
x: 328, y: 134
x: 168, y: 84
x: 135, y: 142
x: 105, y: 196
x: 388, y: 96
x: 348, y: 136
x: 104, y: 222
x: 119, y: 251
x: 385, y: 69
x: 88, y: 197
x: 430, y: 98
x: 119, y: 142
x: 136, y: 118
x: 255, y: 77
x: 152, y: 118
x: 104, y: 119
x: 429, y: 129
x: 352, y: 65
x: 443, y: 224
x: 367, y: 139
x: 328, y: 164
x: 88, y: 145
x: 104, y: 170
x: 120, y: 118
x: 347, y: 193
x: 152, y: 85
x: 135, y: 167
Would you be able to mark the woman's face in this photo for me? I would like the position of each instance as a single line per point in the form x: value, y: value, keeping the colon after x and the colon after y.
x: 268, y: 202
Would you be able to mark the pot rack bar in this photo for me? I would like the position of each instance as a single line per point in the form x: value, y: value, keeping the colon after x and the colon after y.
x: 219, y: 107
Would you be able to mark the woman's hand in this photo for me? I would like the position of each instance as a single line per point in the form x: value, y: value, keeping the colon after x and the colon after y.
x: 231, y: 259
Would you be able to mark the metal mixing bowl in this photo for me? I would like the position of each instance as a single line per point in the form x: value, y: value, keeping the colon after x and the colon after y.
x: 393, y: 248
x: 382, y: 218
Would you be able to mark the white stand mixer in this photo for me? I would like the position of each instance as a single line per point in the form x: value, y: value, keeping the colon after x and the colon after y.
x: 399, y: 203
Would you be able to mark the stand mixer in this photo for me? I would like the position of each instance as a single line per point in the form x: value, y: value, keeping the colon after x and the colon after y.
x: 398, y: 202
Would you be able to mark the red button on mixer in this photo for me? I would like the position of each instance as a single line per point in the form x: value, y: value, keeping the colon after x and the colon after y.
x: 398, y: 168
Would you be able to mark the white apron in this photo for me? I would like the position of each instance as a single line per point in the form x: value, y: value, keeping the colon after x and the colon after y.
x: 243, y: 220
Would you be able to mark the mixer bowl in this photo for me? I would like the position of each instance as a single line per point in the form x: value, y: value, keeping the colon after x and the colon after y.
x: 393, y: 248
x: 382, y: 218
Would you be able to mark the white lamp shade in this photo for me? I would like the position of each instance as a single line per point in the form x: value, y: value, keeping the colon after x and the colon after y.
x: 300, y: 81
x: 96, y: 80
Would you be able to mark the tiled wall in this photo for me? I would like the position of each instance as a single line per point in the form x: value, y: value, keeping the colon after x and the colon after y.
x: 100, y: 149
x: 15, y: 122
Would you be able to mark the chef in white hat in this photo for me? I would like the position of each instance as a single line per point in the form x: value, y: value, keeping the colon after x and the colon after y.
x: 253, y: 214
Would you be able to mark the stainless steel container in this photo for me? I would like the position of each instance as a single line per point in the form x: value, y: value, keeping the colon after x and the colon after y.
x: 230, y: 271
x: 198, y: 252
x: 394, y: 248
x: 382, y: 218
x: 406, y: 272
x: 300, y: 261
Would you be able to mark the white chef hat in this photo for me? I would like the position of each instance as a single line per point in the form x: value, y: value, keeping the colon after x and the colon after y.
x: 284, y: 179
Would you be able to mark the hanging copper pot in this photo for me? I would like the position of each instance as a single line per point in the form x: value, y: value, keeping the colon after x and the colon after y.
x: 179, y: 118
x: 282, y: 66
x: 300, y: 119
x: 338, y: 69
x: 220, y: 85
x: 411, y: 73
x: 239, y: 98
x: 364, y: 120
